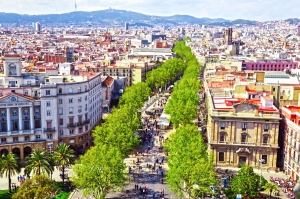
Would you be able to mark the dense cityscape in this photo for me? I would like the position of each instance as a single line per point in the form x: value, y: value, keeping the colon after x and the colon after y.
x: 151, y: 108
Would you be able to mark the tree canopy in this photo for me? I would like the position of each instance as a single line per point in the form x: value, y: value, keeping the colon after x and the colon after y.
x: 191, y: 169
x: 101, y: 169
x: 247, y: 183
x: 40, y: 186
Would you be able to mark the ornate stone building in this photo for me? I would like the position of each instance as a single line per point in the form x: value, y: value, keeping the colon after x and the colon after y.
x: 242, y: 131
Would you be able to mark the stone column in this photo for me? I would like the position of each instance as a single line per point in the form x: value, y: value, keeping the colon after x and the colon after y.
x: 31, y: 118
x: 20, y: 119
x: 8, y: 123
x: 259, y: 132
x: 216, y: 131
x: 21, y: 153
x: 232, y: 136
x: 212, y: 132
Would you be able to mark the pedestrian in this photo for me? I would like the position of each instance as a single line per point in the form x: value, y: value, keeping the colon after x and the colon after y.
x: 162, y: 181
x: 18, y: 178
x: 141, y: 190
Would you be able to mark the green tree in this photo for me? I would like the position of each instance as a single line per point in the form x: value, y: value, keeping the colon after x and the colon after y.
x: 269, y: 188
x: 40, y: 186
x: 100, y: 170
x: 38, y: 162
x: 247, y: 183
x: 63, y: 156
x: 190, y: 168
x: 9, y: 166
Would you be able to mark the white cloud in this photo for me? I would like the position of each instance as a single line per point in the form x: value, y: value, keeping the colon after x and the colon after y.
x: 229, y: 9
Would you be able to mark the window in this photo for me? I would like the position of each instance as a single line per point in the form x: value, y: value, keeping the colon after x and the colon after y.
x: 70, y: 110
x: 244, y: 126
x: 3, y: 140
x: 27, y: 138
x: 26, y: 92
x: 71, y: 131
x: 222, y: 137
x: 85, y: 98
x: 61, y: 121
x: 47, y: 92
x: 79, y: 99
x: 3, y: 114
x: 59, y: 91
x: 60, y: 101
x: 80, y: 139
x: 79, y: 89
x: 265, y: 139
x: 15, y: 139
x: 25, y: 112
x: 48, y: 103
x: 48, y: 113
x: 221, y: 156
x: 86, y: 137
x: 244, y: 138
x: 38, y: 137
x: 14, y: 112
x: 61, y: 132
x: 266, y: 129
x: 60, y: 111
x: 49, y: 136
x: 86, y: 107
x: 71, y: 141
x: 79, y: 109
x: 71, y: 100
x: 222, y: 125
x: 80, y: 130
x: 265, y: 157
x: 70, y: 90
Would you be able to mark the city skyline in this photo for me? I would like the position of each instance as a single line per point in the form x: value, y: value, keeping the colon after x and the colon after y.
x: 228, y: 9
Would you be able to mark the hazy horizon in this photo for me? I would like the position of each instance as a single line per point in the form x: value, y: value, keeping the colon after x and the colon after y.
x: 258, y: 10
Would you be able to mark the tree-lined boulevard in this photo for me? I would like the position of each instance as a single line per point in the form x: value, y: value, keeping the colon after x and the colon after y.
x: 130, y: 148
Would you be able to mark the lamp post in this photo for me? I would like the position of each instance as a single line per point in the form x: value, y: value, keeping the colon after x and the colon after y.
x: 261, y: 161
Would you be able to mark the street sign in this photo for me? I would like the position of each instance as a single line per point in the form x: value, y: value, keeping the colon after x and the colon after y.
x: 239, y: 196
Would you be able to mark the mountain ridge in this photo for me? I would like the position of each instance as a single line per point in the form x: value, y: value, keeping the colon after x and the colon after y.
x: 119, y: 17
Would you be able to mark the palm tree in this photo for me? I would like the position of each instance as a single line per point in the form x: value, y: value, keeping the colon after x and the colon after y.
x: 63, y: 156
x: 269, y: 188
x: 9, y: 166
x: 38, y: 162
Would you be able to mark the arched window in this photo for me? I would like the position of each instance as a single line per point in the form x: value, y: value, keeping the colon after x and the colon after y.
x: 70, y: 90
x: 222, y: 137
x: 221, y: 156
x: 244, y: 138
x: 265, y: 139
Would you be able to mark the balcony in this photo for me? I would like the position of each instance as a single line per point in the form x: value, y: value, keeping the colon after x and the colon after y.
x: 86, y: 121
x: 49, y: 129
x: 71, y: 125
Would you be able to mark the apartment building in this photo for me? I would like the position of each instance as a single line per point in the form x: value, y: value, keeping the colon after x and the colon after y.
x: 291, y: 127
x: 242, y: 130
x: 41, y: 111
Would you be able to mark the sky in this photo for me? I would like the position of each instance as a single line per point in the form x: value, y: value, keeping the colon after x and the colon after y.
x: 260, y: 10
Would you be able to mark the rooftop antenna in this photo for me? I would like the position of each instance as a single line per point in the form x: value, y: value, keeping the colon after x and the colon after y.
x: 75, y: 6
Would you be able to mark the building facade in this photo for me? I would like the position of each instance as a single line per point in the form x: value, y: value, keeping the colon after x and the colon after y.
x: 242, y: 131
x: 270, y: 65
x: 291, y: 130
x: 41, y: 111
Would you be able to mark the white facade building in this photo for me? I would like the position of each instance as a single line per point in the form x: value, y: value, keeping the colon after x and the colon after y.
x: 41, y: 111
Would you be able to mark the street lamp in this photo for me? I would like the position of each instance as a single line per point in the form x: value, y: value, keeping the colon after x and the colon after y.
x: 261, y: 161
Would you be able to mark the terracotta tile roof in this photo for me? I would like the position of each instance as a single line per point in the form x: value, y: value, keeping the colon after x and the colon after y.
x: 108, y: 82
x: 17, y: 94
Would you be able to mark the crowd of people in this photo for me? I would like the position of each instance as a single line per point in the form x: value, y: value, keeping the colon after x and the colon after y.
x: 152, y: 139
x: 286, y: 185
